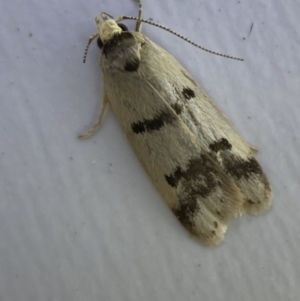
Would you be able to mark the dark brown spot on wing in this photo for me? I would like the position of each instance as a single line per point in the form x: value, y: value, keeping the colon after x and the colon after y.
x: 200, y: 171
x: 188, y: 93
x: 153, y: 124
x: 174, y: 178
x: 182, y: 98
x: 132, y: 64
x: 180, y: 102
x: 222, y: 144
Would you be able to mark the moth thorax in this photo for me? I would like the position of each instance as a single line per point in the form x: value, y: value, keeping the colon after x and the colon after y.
x: 108, y: 30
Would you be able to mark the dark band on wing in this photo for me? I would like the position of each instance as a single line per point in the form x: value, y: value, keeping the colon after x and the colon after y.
x: 153, y: 124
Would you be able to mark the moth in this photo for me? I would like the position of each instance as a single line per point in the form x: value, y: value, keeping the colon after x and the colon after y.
x: 203, y: 169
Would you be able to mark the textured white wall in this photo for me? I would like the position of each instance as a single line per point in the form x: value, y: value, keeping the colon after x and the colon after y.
x: 79, y: 220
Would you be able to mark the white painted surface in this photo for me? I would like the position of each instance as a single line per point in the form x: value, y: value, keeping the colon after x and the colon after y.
x: 79, y: 220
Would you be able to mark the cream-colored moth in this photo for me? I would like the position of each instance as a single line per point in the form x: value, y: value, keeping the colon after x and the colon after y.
x: 203, y: 169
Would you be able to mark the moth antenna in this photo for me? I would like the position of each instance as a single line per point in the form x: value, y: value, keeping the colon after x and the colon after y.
x: 178, y: 35
x: 138, y: 26
x: 91, y: 38
x: 104, y: 15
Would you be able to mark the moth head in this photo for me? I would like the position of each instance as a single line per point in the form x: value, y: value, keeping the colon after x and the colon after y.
x: 106, y: 30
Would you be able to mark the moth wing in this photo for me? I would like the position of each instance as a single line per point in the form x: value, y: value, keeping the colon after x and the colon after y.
x: 188, y: 177
x: 208, y: 124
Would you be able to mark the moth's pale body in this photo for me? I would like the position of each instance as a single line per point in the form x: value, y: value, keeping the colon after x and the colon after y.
x: 203, y: 169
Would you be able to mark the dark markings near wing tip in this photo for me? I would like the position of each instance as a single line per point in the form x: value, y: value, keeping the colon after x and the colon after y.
x: 186, y: 211
x: 245, y: 168
x: 242, y: 168
x: 188, y: 93
x: 198, y: 180
x: 222, y: 144
x: 154, y: 124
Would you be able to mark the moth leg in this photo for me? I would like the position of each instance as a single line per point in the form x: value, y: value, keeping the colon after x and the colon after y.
x: 94, y: 129
x: 138, y: 26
